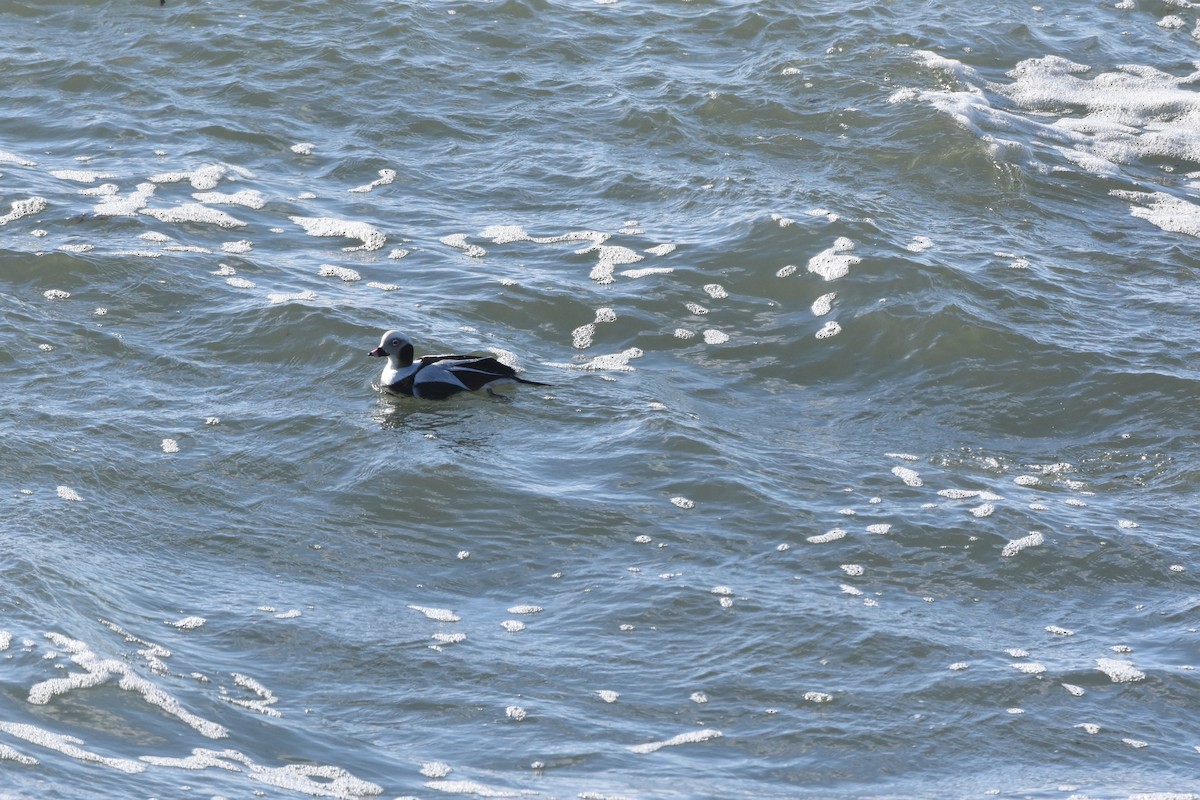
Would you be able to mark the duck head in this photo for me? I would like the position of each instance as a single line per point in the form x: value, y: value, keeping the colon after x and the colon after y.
x: 397, y: 347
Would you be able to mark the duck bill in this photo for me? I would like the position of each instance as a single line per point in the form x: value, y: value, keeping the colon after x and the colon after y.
x: 377, y: 352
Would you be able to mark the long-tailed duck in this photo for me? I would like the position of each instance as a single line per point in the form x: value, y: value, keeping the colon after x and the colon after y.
x: 438, y: 377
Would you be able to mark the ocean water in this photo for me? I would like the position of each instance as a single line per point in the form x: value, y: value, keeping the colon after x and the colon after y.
x: 869, y: 465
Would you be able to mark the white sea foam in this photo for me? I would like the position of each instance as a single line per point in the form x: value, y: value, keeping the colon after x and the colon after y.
x: 190, y: 623
x: 1029, y: 667
x: 910, y: 477
x: 1119, y: 670
x: 24, y: 208
x: 12, y: 158
x: 1034, y: 539
x: 194, y: 212
x: 469, y: 787
x: 823, y: 304
x: 829, y: 536
x: 115, y: 205
x: 513, y: 625
x: 371, y: 238
x: 834, y: 262
x: 618, y: 362
x: 67, y: 493
x: 607, y: 695
x: 277, y: 298
x: 829, y: 330
x: 690, y: 737
x: 68, y: 746
x: 303, y: 148
x: 250, y: 198
x: 204, y: 178
x: 81, y: 175
x: 263, y: 700
x: 345, y: 273
x: 661, y: 249
x: 713, y: 336
x: 525, y: 609
x: 437, y: 614
x: 505, y: 234
x: 103, y: 190
x: 314, y: 780
x: 1165, y: 211
x: 582, y: 337
x: 646, y: 271
x: 386, y: 176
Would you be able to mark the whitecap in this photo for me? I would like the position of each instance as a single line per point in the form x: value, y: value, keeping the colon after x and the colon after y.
x: 277, y: 298
x: 250, y: 198
x: 644, y: 271
x: 372, y: 238
x: 1034, y: 539
x: 12, y: 158
x: 713, y: 336
x: 68, y: 746
x: 829, y: 330
x: 618, y: 362
x: 834, y: 262
x: 386, y: 176
x: 437, y: 614
x: 525, y: 609
x: 581, y: 337
x: 683, y: 738
x: 24, y: 208
x: 469, y: 787
x: 910, y: 477
x: 194, y: 212
x: 128, y: 206
x: 345, y: 273
x: 504, y: 234
x: 1119, y: 670
x: 81, y: 175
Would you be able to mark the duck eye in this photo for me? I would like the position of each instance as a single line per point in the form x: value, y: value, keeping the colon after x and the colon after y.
x: 395, y: 342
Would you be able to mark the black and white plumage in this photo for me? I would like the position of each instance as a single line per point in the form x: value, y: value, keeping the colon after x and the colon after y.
x: 437, y: 377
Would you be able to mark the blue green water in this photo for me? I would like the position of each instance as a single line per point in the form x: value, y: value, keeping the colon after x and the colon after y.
x: 868, y: 468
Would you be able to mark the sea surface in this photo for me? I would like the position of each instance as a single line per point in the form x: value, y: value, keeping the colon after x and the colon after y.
x: 869, y: 466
